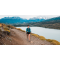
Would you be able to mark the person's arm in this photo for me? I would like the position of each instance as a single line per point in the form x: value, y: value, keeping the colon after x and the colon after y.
x: 30, y: 30
x: 26, y: 29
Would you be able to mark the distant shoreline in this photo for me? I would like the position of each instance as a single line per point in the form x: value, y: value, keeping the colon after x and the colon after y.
x: 36, y: 26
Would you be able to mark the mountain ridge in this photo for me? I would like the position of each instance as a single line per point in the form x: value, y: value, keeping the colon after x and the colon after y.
x: 18, y: 20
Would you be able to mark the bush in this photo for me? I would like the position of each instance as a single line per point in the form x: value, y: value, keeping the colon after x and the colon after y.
x: 53, y: 41
x: 6, y: 29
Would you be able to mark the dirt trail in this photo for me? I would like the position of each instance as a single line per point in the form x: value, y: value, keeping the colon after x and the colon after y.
x: 20, y: 38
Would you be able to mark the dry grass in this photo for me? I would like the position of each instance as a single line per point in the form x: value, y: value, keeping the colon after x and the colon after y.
x: 10, y: 26
x: 6, y: 28
x: 0, y: 25
x: 20, y: 29
x: 54, y: 42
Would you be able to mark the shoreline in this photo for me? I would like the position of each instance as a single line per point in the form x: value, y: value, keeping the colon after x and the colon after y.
x: 41, y: 27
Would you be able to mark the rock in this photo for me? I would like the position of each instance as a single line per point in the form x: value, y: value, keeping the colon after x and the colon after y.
x: 4, y: 44
x: 10, y: 38
x: 10, y: 41
x: 7, y: 38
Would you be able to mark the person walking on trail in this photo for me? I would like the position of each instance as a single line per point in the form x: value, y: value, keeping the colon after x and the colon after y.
x: 28, y: 31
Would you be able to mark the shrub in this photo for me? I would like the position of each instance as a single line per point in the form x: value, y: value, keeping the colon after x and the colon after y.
x: 6, y: 29
x: 53, y: 41
x: 0, y: 25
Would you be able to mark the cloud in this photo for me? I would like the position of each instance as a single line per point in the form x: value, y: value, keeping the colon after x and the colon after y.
x: 29, y: 16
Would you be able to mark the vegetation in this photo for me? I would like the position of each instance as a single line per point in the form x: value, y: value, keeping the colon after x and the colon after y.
x: 54, y: 42
x: 20, y: 29
x: 49, y: 23
x: 52, y: 23
x: 6, y: 27
x: 10, y: 26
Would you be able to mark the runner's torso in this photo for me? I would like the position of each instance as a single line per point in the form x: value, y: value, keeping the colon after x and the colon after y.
x: 28, y: 30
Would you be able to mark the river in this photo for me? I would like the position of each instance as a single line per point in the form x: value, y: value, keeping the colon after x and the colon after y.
x: 46, y: 32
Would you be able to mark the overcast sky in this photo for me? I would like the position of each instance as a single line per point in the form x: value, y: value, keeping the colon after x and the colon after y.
x: 28, y: 16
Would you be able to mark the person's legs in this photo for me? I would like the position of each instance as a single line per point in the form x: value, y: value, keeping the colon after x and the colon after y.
x: 29, y: 37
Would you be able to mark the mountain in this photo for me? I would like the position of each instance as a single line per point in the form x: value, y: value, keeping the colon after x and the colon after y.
x: 49, y: 23
x: 11, y: 20
x: 55, y: 19
x: 41, y: 22
x: 18, y: 20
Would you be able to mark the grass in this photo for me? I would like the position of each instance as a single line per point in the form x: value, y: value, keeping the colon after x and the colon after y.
x: 0, y: 25
x: 20, y: 29
x: 7, y: 27
x: 4, y: 27
x: 10, y: 26
x: 54, y: 42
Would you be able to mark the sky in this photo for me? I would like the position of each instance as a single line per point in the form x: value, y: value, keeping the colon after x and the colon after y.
x: 29, y: 16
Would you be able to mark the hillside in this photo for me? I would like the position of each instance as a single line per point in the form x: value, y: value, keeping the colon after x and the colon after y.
x: 9, y: 35
x: 54, y: 25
